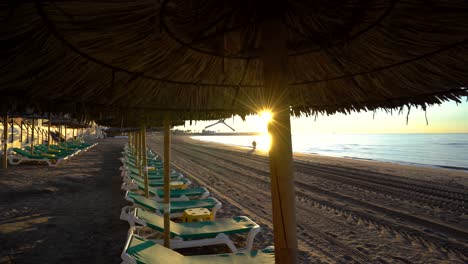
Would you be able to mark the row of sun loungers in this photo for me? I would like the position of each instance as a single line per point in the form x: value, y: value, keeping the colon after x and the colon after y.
x: 145, y: 217
x: 52, y: 156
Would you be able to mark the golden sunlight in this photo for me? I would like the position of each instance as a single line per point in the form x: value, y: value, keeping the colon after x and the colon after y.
x: 261, y: 121
x: 266, y: 116
x: 264, y: 139
x: 264, y: 142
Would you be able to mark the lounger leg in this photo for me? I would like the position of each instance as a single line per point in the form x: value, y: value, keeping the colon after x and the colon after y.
x: 126, y: 259
x: 215, y: 210
x: 125, y: 214
x: 205, y: 195
x: 250, y: 238
x: 228, y: 242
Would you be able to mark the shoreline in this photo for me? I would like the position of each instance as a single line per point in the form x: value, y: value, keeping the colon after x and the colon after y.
x: 348, y: 157
x: 426, y: 173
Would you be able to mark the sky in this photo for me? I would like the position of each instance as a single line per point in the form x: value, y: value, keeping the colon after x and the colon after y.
x: 446, y: 118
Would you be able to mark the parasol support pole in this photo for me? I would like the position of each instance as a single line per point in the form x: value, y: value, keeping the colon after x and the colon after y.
x: 129, y: 140
x: 21, y: 132
x: 27, y: 132
x: 32, y: 136
x: 145, y: 161
x: 48, y: 133
x: 12, y: 131
x: 167, y: 189
x: 139, y: 154
x: 275, y: 97
x: 134, y: 143
x: 5, y: 141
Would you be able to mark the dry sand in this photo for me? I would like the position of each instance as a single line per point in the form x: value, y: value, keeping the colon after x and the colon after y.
x: 68, y: 214
x: 349, y: 211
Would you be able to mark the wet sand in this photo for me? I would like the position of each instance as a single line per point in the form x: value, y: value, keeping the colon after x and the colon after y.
x: 349, y: 211
x: 68, y: 214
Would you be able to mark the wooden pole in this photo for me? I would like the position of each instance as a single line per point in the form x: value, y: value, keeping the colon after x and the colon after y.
x: 135, y: 141
x: 167, y: 189
x: 12, y: 131
x: 274, y: 40
x: 139, y: 154
x: 48, y: 133
x: 27, y: 133
x: 21, y: 132
x: 129, y: 140
x: 32, y: 136
x: 145, y: 161
x: 65, y: 133
x: 5, y: 141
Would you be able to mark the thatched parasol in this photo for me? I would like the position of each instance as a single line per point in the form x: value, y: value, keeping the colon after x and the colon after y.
x: 342, y: 55
x: 235, y: 57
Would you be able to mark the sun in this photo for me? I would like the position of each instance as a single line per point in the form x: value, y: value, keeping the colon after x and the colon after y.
x: 266, y: 116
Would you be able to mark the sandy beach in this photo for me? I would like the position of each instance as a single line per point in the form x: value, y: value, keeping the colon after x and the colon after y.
x: 348, y: 211
x: 67, y: 214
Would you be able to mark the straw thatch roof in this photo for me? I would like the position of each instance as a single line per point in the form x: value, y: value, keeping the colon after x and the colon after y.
x: 204, y: 56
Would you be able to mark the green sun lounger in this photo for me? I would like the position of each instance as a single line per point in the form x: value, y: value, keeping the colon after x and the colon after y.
x: 176, y: 207
x: 132, y: 166
x: 128, y: 151
x: 23, y: 156
x: 133, y: 160
x: 196, y: 234
x: 39, y: 150
x: 152, y: 183
x: 176, y: 194
x: 152, y: 176
x: 143, y: 251
x: 155, y: 173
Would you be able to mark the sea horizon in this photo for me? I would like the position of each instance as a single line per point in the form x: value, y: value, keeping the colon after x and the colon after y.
x: 444, y: 150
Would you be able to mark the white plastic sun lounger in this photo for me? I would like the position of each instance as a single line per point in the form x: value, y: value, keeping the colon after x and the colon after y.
x: 196, y: 234
x: 139, y: 250
x: 176, y: 207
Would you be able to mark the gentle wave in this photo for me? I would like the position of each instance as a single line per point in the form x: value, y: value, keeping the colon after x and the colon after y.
x: 442, y: 150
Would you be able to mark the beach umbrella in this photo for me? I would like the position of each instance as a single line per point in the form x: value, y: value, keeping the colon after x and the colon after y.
x: 212, y: 58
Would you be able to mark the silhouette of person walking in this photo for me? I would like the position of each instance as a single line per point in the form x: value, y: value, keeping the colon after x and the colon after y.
x: 254, y: 145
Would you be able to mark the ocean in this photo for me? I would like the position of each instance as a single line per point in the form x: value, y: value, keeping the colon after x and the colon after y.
x: 442, y: 150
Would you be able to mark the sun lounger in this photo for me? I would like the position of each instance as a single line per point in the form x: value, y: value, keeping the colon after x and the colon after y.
x: 196, y: 234
x: 41, y: 151
x: 154, y: 168
x: 131, y: 182
x: 177, y: 207
x: 152, y: 176
x: 23, y: 156
x: 196, y: 193
x: 143, y: 251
